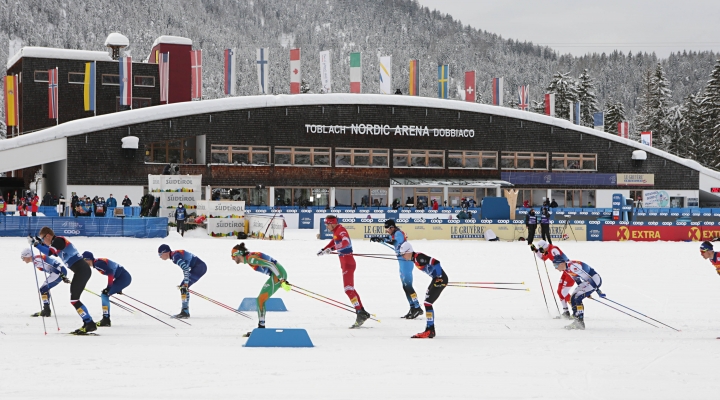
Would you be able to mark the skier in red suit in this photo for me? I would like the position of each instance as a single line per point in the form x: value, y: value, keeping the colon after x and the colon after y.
x: 546, y: 251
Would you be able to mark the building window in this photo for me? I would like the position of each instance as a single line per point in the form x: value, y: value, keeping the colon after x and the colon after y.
x: 76, y: 77
x: 110, y: 79
x: 418, y: 159
x: 252, y: 196
x: 228, y: 154
x: 137, y: 102
x: 302, y: 156
x: 574, y: 162
x: 171, y: 151
x: 472, y: 159
x: 367, y: 158
x: 41, y: 76
x: 144, y: 81
x: 573, y: 198
x: 361, y: 197
x: 303, y: 197
x: 518, y: 160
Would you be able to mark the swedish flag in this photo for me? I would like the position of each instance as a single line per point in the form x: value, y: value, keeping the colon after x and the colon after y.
x: 443, y: 76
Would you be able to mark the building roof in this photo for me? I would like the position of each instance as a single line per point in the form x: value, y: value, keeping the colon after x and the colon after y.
x: 166, y: 111
x: 171, y: 40
x: 63, y: 54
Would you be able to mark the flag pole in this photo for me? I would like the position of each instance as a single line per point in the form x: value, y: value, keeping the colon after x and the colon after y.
x: 167, y: 84
x: 57, y: 96
x: 94, y: 84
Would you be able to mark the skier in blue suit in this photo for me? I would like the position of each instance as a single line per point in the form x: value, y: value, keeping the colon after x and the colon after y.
x: 193, y: 269
x: 118, y: 279
x: 396, y: 239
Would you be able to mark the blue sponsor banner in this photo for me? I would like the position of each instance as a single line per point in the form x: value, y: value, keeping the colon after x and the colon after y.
x: 92, y: 227
x: 559, y: 178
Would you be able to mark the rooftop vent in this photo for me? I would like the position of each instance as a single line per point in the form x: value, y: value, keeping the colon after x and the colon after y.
x: 116, y: 41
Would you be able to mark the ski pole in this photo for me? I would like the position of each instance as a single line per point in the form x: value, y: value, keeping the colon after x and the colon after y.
x: 37, y: 285
x: 52, y: 302
x: 487, y: 283
x: 219, y: 304
x: 151, y: 316
x: 617, y: 309
x: 113, y: 302
x: 381, y: 258
x: 324, y: 297
x: 550, y: 285
x: 327, y: 302
x: 488, y: 287
x: 541, y: 284
x: 148, y: 305
x: 653, y: 319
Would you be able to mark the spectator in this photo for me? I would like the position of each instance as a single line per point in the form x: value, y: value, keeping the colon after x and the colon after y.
x: 531, y: 225
x: 590, y: 205
x: 22, y: 208
x: 111, y: 202
x: 155, y: 207
x: 180, y: 215
x: 462, y: 215
x: 435, y: 205
x: 166, y: 170
x: 47, y: 200
x: 471, y: 203
x: 395, y: 204
x: 34, y: 205
x: 73, y: 203
x: 126, y: 202
x: 554, y: 204
x: 526, y: 204
x: 100, y: 207
x: 3, y: 205
x: 464, y: 204
x: 81, y: 207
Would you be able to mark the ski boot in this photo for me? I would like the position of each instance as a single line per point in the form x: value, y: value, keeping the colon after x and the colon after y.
x: 105, y: 321
x: 85, y: 329
x: 565, y: 315
x: 362, y: 316
x: 428, y: 333
x: 413, y: 313
x: 578, y: 324
x: 184, y: 314
x: 44, y: 313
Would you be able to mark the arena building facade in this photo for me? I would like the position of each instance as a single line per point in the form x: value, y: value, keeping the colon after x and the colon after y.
x: 345, y: 149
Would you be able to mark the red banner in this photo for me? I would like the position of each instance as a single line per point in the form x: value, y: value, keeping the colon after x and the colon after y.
x: 650, y: 233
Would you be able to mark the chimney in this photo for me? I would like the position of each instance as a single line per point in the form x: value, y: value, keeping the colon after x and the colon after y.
x: 116, y: 41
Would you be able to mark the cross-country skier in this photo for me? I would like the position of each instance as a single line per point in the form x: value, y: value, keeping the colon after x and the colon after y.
x: 267, y: 265
x: 193, y: 269
x: 342, y: 244
x: 51, y: 245
x: 432, y: 267
x: 588, y: 282
x: 707, y: 252
x: 117, y: 279
x: 55, y: 272
x: 546, y: 251
x: 396, y: 239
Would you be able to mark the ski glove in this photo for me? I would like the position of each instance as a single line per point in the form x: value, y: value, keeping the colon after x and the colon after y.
x: 376, y: 239
x: 438, y: 282
x: 34, y: 241
x: 601, y: 294
x: 322, y: 252
x: 533, y: 248
x: 65, y: 279
x: 183, y: 288
x: 105, y: 291
x: 285, y: 285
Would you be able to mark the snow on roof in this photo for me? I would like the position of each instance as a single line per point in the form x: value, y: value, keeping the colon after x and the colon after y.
x: 64, y: 54
x: 165, y: 111
x: 171, y: 40
x: 117, y: 39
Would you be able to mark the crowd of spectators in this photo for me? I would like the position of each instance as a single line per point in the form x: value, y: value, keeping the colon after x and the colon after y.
x: 80, y: 206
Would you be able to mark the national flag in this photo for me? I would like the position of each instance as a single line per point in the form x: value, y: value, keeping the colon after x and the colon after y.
x: 196, y: 68
x: 295, y: 71
x: 89, y: 87
x: 53, y: 93
x: 497, y: 91
x: 624, y: 129
x: 524, y: 97
x: 11, y: 100
x: 326, y: 71
x: 470, y: 86
x: 443, y: 77
x: 164, y: 67
x: 599, y: 121
x: 386, y: 75
x: 646, y: 138
x: 355, y: 73
x: 230, y: 67
x: 263, y: 70
x: 125, y: 81
x: 550, y: 104
x: 414, y: 77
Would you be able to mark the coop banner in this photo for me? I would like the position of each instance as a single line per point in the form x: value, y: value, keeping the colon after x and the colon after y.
x: 225, y: 227
x: 266, y: 227
x: 174, y: 183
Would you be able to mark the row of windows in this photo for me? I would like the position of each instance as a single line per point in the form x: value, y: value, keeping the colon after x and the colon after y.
x: 379, y: 158
x: 107, y: 79
x: 571, y: 198
x: 171, y: 151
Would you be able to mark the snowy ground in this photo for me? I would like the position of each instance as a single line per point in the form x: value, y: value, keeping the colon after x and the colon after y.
x: 490, y: 344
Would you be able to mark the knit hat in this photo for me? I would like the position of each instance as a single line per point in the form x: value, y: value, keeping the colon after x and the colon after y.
x: 26, y: 253
x: 706, y: 246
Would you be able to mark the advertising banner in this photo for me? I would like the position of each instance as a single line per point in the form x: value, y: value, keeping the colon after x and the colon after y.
x: 222, y: 209
x: 635, y: 179
x: 656, y: 199
x: 654, y: 231
x: 224, y: 227
x: 174, y: 183
x: 266, y: 227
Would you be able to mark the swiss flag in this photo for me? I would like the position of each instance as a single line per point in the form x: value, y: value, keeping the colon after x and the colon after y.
x: 470, y: 86
x: 295, y: 71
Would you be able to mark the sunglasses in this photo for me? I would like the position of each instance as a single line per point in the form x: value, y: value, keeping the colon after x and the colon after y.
x: 238, y: 253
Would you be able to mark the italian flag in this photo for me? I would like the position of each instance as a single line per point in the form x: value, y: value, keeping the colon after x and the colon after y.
x: 355, y: 73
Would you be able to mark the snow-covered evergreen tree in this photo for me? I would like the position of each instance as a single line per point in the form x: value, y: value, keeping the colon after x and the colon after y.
x: 587, y: 98
x: 538, y: 106
x: 655, y: 107
x: 614, y: 114
x: 710, y: 115
x: 565, y: 89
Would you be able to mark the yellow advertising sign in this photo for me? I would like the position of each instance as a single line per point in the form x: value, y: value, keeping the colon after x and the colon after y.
x: 635, y: 179
x: 506, y: 232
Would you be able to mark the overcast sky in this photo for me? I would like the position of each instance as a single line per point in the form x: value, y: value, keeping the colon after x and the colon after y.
x: 580, y: 27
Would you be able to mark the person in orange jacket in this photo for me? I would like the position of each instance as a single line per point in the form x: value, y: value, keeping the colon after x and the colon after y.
x: 34, y: 205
